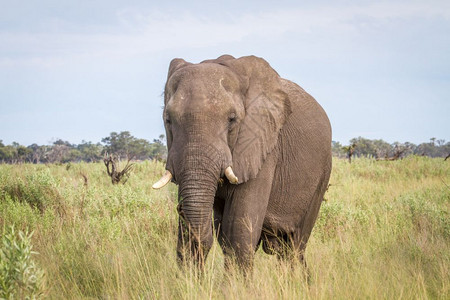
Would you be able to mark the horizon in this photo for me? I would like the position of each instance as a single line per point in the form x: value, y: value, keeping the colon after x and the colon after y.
x: 381, y: 70
x: 53, y: 140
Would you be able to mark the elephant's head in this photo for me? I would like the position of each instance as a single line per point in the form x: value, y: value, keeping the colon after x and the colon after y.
x: 222, y: 118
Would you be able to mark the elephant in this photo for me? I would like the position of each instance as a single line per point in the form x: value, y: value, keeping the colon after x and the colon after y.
x: 251, y: 155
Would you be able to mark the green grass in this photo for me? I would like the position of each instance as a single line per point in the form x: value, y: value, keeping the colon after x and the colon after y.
x: 383, y: 233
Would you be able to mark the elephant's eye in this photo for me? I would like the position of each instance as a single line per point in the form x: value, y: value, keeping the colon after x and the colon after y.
x: 168, y: 122
x: 232, y: 118
x: 232, y: 121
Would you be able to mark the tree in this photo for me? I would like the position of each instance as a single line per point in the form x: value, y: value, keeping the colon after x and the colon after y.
x: 90, y: 152
x: 158, y: 149
x: 123, y: 144
x: 337, y: 149
x: 72, y: 155
x: 112, y: 168
x: 23, y: 154
x: 15, y: 153
x: 118, y: 143
x: 363, y: 147
x: 59, y: 151
x: 6, y: 152
x: 350, y: 150
x: 39, y: 153
x: 382, y: 148
x: 410, y: 148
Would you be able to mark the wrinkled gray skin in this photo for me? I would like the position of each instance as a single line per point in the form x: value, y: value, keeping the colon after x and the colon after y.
x: 275, y: 136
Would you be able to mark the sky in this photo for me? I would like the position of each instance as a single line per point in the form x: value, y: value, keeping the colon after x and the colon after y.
x: 79, y: 70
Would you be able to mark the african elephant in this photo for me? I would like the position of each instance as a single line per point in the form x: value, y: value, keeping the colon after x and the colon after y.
x: 251, y: 155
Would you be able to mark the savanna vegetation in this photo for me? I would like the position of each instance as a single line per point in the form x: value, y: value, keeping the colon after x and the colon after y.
x: 125, y: 146
x: 380, y: 149
x: 382, y: 233
x: 121, y: 145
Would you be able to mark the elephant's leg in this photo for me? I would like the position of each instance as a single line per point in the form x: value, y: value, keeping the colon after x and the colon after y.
x: 275, y: 243
x: 281, y: 244
x: 244, y: 214
x: 299, y: 238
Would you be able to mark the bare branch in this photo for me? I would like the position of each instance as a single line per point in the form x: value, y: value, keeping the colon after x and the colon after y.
x: 111, y: 162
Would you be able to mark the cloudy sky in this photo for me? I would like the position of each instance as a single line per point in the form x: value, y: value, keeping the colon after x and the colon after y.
x: 78, y: 70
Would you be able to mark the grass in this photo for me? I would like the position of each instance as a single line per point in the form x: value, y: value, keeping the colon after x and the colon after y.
x: 382, y: 233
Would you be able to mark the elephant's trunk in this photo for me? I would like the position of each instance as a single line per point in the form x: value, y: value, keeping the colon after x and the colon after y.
x: 200, y: 172
x: 197, y: 197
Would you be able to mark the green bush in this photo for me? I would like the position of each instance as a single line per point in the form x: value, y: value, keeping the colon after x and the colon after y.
x: 20, y: 277
x: 38, y: 189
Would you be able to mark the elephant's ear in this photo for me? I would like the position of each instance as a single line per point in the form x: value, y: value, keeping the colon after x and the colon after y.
x: 220, y: 60
x: 175, y: 65
x: 266, y: 109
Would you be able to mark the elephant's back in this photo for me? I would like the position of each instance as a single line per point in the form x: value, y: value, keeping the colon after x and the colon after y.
x: 304, y: 161
x: 303, y: 104
x: 307, y: 121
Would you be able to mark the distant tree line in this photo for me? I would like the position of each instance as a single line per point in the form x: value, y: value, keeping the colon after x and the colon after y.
x: 122, y: 145
x: 126, y: 146
x: 380, y: 149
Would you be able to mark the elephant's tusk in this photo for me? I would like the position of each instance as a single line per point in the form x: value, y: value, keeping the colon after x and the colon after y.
x: 163, y: 181
x: 230, y: 175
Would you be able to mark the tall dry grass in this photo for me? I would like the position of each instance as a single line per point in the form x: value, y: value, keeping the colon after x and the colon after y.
x: 382, y: 233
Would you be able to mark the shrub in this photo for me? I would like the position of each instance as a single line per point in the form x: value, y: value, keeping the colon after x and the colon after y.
x: 37, y: 189
x: 19, y: 276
